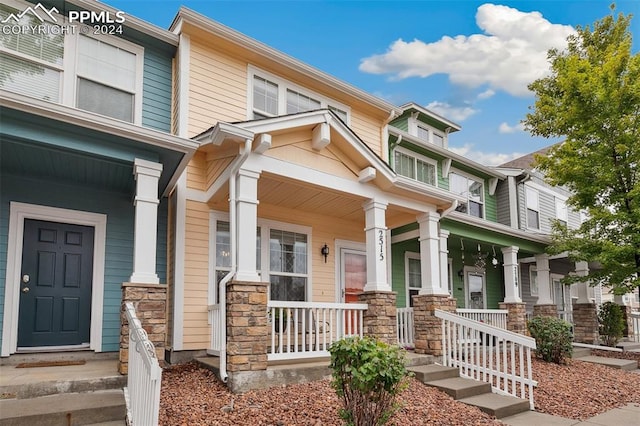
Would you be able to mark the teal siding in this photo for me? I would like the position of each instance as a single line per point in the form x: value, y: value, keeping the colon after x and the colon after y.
x: 156, y: 102
x: 119, y: 242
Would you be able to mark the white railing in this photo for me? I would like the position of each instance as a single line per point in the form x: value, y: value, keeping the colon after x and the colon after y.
x: 405, y: 327
x: 142, y: 393
x: 216, y: 323
x: 494, y: 317
x: 307, y: 329
x: 635, y: 321
x: 484, y: 352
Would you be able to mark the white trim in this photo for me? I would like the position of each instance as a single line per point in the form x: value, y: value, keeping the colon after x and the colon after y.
x: 410, y: 255
x: 284, y: 85
x: 18, y: 212
x: 450, y: 275
x: 544, y: 189
x: 179, y: 259
x: 529, y: 192
x: 338, y: 246
x: 533, y: 268
x: 183, y: 67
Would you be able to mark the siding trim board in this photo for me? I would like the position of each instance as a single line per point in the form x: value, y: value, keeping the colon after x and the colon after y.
x: 18, y: 213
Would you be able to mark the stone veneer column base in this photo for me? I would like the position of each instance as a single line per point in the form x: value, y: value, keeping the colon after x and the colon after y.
x: 380, y: 319
x: 150, y: 302
x: 428, y: 328
x: 550, y: 310
x: 628, y: 321
x: 585, y: 323
x: 516, y: 316
x: 247, y: 332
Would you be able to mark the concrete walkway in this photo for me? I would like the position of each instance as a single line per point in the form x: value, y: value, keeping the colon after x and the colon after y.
x: 629, y: 415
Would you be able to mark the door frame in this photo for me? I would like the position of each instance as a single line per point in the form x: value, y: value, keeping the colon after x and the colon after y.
x: 338, y: 246
x: 18, y: 212
x: 472, y: 270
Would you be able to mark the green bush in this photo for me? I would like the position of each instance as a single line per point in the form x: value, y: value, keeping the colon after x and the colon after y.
x: 553, y: 338
x: 367, y: 375
x: 611, y: 323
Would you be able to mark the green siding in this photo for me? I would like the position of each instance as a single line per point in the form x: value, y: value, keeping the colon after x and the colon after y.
x: 397, y: 267
x: 119, y: 243
x: 156, y: 101
x: 490, y: 205
x: 401, y: 123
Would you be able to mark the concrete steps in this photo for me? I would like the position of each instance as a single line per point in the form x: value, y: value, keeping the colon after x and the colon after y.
x: 468, y: 391
x: 621, y: 364
x: 65, y: 408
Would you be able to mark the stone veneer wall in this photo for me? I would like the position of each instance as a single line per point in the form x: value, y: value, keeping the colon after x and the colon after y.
x: 516, y: 316
x: 585, y: 323
x: 380, y: 317
x: 428, y: 328
x: 150, y: 302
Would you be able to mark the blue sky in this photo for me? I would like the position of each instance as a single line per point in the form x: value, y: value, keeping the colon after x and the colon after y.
x: 469, y: 61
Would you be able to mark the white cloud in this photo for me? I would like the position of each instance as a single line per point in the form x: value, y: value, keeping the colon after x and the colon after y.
x: 486, y: 94
x: 486, y: 158
x: 451, y: 112
x: 505, y: 128
x: 511, y: 54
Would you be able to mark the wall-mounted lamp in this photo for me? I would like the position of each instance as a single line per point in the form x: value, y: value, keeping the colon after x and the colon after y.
x: 461, y: 273
x: 325, y: 252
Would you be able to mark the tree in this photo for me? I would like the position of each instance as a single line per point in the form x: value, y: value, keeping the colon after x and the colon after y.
x: 592, y: 99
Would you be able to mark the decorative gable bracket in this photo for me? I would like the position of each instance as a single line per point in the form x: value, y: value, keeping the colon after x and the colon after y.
x: 493, y: 184
x: 367, y: 174
x: 320, y: 137
x: 446, y: 167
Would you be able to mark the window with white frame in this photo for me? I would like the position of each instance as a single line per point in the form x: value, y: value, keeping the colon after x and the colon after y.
x: 533, y: 280
x: 101, y: 75
x: 413, y: 276
x: 437, y: 139
x: 414, y: 166
x: 423, y: 133
x: 562, y: 213
x: 472, y: 189
x: 533, y: 207
x: 271, y: 96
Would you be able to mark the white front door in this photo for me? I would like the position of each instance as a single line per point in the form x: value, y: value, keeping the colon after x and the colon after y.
x: 475, y: 289
x: 561, y: 297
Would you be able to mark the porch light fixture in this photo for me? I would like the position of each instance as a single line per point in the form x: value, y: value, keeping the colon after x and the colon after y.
x: 461, y: 273
x: 325, y: 252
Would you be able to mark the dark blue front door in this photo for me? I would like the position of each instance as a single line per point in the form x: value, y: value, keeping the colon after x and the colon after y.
x: 55, y: 285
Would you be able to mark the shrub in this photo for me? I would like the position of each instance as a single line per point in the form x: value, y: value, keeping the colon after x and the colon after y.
x: 553, y: 338
x: 367, y: 375
x: 611, y: 323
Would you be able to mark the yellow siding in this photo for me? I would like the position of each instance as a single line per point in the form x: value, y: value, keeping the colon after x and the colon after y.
x: 369, y: 130
x: 196, y: 171
x: 217, y: 88
x: 217, y: 166
x: 196, y: 330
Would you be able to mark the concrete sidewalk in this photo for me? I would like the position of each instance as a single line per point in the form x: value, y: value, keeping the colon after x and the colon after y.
x: 629, y: 415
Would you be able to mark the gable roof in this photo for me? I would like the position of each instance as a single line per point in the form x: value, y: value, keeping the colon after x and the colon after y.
x: 526, y: 162
x: 454, y: 127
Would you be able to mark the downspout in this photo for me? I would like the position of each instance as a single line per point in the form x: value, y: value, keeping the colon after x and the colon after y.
x: 454, y: 205
x: 233, y: 230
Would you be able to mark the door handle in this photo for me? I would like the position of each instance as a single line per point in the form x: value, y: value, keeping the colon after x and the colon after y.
x: 25, y: 289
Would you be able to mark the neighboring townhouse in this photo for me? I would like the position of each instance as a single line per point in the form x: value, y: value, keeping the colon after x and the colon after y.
x: 476, y: 249
x: 537, y: 205
x: 87, y: 158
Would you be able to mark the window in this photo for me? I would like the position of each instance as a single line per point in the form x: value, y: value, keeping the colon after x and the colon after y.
x: 470, y: 189
x: 413, y: 276
x: 533, y: 208
x: 288, y: 265
x: 423, y: 133
x: 533, y: 280
x: 101, y: 75
x: 414, y: 166
x: 561, y: 210
x: 438, y: 139
x: 271, y: 96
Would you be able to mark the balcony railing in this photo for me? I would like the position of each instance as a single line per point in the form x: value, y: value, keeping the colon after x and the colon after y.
x: 405, y: 327
x: 494, y: 317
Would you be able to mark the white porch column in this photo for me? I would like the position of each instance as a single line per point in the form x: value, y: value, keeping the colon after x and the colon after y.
x: 246, y: 224
x: 430, y: 254
x: 544, y: 283
x: 582, y: 270
x: 145, y: 235
x: 511, y: 285
x: 444, y: 261
x: 376, y: 241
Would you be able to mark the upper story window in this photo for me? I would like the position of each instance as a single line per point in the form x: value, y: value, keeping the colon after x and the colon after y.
x: 414, y: 166
x: 270, y: 96
x: 470, y: 188
x: 533, y: 207
x: 99, y: 75
x: 425, y: 132
x: 562, y: 214
x: 437, y: 139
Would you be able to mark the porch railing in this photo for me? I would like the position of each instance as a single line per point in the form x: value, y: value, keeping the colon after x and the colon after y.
x: 405, y: 327
x: 635, y: 322
x: 494, y: 317
x: 142, y: 393
x: 216, y: 322
x: 491, y: 354
x: 307, y: 329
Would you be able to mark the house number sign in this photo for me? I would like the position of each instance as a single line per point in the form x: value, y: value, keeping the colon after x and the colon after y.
x: 381, y: 243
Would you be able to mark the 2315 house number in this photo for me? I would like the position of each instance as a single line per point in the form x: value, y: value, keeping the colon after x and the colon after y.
x: 381, y: 243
